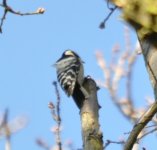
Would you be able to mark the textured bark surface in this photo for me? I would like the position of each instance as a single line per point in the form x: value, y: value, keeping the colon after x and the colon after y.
x: 91, y: 134
x: 150, y: 56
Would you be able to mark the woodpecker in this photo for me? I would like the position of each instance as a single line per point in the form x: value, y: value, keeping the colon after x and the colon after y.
x: 70, y: 72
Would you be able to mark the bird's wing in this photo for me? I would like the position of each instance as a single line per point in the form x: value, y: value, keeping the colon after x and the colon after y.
x: 67, y: 76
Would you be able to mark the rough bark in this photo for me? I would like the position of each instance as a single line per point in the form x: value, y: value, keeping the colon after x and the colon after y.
x: 91, y: 134
x: 149, y: 51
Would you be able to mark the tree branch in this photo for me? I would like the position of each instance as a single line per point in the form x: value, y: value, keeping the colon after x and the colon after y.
x: 149, y: 51
x: 143, y: 20
x: 108, y: 142
x: 112, y: 9
x: 91, y: 135
x: 55, y: 111
x: 7, y: 9
x: 132, y: 139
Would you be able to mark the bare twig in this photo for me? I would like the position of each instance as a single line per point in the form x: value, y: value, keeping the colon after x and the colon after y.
x: 2, y: 20
x: 7, y: 131
x: 108, y: 142
x: 102, y: 24
x: 7, y: 128
x: 111, y: 82
x: 120, y: 67
x: 131, y: 61
x: 58, y: 102
x: 108, y: 5
x: 7, y: 9
x: 55, y: 111
x: 42, y: 144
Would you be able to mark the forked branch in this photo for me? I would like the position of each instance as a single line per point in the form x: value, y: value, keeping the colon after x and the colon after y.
x: 8, y: 9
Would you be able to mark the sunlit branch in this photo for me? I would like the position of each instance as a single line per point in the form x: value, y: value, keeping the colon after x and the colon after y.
x: 120, y: 67
x: 8, y: 9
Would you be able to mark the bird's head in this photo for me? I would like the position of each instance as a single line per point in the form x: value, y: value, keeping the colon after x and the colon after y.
x: 66, y: 54
x: 70, y: 53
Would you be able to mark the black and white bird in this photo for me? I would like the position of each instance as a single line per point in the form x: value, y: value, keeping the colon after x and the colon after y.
x: 70, y: 72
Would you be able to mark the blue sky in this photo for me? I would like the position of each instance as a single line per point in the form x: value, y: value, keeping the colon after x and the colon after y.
x: 31, y: 44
